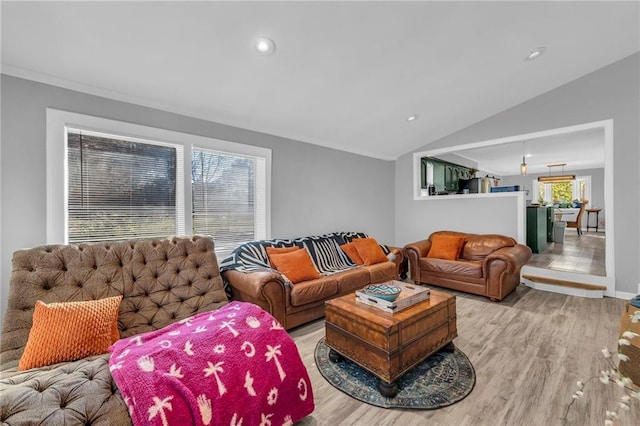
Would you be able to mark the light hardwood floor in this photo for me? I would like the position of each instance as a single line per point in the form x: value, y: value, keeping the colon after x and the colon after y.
x: 528, y: 352
x: 582, y: 254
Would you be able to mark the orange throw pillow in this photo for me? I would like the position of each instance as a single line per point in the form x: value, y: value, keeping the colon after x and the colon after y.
x: 352, y: 252
x: 446, y: 247
x: 296, y: 265
x: 369, y: 251
x: 280, y: 250
x: 70, y: 330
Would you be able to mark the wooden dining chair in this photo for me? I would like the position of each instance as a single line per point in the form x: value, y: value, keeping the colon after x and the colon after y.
x: 578, y: 220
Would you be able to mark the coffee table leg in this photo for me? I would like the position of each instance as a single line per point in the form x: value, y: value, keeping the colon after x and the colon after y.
x: 335, y: 356
x: 449, y: 347
x: 388, y: 390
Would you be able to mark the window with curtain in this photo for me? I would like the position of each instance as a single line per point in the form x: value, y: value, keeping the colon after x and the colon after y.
x: 119, y: 189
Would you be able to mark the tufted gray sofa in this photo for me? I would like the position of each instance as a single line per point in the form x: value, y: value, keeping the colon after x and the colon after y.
x: 161, y: 281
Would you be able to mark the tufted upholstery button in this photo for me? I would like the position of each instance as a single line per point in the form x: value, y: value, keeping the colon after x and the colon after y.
x: 64, y: 268
x: 209, y: 276
x: 177, y: 270
x: 146, y: 293
x: 173, y: 315
x: 46, y: 286
x: 80, y: 285
x: 134, y: 278
x: 155, y: 275
x: 189, y: 283
x: 120, y: 263
x: 150, y: 323
x: 181, y: 300
x: 95, y: 266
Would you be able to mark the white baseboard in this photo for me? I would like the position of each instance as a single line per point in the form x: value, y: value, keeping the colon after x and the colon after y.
x: 624, y: 295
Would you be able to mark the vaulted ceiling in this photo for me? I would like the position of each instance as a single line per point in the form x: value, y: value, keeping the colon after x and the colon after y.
x: 344, y: 75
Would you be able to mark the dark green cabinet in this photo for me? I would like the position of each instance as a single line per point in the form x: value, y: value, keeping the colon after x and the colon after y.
x: 537, y: 228
x: 550, y: 224
x: 445, y: 174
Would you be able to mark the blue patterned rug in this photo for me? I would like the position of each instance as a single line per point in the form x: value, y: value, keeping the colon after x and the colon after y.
x: 442, y: 379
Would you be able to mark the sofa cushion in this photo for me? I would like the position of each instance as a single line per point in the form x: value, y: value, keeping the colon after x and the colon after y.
x: 79, y: 392
x: 477, y: 247
x: 314, y: 290
x: 369, y: 251
x: 296, y: 265
x: 71, y: 330
x: 382, y: 272
x: 446, y: 247
x: 352, y: 280
x: 465, y: 268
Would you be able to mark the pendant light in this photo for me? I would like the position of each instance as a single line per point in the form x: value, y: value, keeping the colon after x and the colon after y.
x: 523, y: 166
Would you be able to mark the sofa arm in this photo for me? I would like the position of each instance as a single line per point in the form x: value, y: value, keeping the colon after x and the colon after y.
x: 413, y: 252
x: 263, y: 288
x: 398, y: 260
x: 514, y: 258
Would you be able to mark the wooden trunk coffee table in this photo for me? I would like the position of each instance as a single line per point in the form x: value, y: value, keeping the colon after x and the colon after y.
x: 389, y: 345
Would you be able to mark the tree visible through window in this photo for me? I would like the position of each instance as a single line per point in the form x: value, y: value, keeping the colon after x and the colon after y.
x: 223, y: 197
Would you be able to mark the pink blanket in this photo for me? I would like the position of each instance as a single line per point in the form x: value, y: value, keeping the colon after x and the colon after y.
x: 234, y: 366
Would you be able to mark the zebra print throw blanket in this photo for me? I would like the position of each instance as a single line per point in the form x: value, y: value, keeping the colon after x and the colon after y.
x: 324, y: 250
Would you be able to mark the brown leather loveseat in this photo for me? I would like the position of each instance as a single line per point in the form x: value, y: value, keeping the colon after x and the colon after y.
x: 251, y: 279
x: 488, y: 265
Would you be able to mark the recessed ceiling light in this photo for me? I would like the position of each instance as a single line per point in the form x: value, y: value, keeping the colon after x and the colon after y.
x: 265, y: 46
x: 534, y: 54
x: 413, y: 117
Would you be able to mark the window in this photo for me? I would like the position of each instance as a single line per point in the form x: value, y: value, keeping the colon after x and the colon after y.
x: 563, y: 192
x: 111, y: 180
x: 119, y: 189
x: 224, y: 197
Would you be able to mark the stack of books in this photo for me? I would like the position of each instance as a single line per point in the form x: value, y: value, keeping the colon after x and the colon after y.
x: 410, y: 294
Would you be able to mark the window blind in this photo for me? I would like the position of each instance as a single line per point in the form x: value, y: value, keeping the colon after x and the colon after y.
x: 119, y: 189
x: 224, y: 198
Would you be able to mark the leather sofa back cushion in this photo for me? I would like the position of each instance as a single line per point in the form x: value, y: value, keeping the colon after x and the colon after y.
x: 446, y: 247
x: 477, y: 247
x: 370, y: 251
x: 296, y: 265
x: 70, y: 330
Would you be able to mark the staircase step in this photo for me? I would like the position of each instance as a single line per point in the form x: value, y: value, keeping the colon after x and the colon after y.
x: 563, y: 283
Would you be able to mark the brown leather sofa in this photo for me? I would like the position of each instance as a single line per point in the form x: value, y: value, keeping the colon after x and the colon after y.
x: 488, y: 265
x: 296, y: 304
x: 161, y: 281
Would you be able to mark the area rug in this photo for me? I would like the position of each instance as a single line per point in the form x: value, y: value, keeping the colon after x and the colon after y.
x: 441, y: 380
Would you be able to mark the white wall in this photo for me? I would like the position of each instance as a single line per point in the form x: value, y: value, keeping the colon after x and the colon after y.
x: 315, y: 190
x: 612, y: 92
